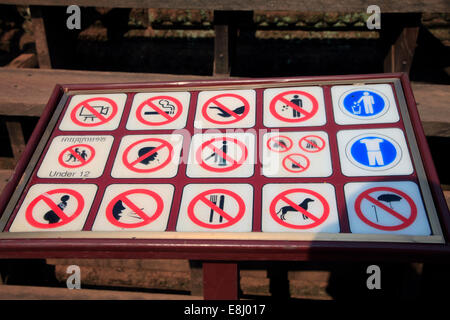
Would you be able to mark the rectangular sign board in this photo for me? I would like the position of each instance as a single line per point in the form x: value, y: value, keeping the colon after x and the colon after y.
x: 242, y: 169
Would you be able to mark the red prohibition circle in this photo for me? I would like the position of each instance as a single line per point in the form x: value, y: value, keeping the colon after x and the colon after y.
x: 280, y: 98
x: 149, y: 102
x: 85, y: 103
x: 235, y: 164
x: 301, y: 167
x: 146, y: 219
x: 315, y: 145
x: 202, y: 197
x: 317, y: 220
x: 235, y: 116
x: 71, y: 150
x: 406, y: 222
x: 131, y: 165
x: 64, y: 218
x: 287, y: 148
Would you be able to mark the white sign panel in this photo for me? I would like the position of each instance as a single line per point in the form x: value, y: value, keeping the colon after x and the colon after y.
x: 393, y: 207
x: 374, y: 152
x: 216, y: 208
x: 222, y: 155
x: 148, y: 156
x: 138, y: 207
x: 94, y: 112
x: 294, y: 107
x: 76, y: 157
x: 54, y: 207
x: 299, y: 207
x: 159, y: 111
x: 373, y: 103
x: 226, y: 109
x: 296, y: 154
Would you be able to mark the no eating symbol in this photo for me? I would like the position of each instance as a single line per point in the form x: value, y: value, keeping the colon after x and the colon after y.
x: 286, y: 206
x: 295, y: 103
x: 164, y: 109
x: 231, y: 218
x: 94, y: 112
x: 56, y: 212
x: 364, y: 209
x: 115, y: 209
x: 222, y: 107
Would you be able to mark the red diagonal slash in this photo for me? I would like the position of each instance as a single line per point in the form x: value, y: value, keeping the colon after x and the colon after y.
x: 135, y: 209
x: 160, y: 111
x: 148, y: 154
x: 76, y: 155
x: 298, y: 208
x: 312, y: 143
x: 386, y: 208
x: 216, y: 208
x: 294, y: 106
x: 221, y: 153
x: 296, y: 163
x: 232, y: 113
x: 95, y: 112
x: 55, y: 208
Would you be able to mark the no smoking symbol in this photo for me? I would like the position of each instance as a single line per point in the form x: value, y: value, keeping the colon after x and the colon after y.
x: 158, y: 111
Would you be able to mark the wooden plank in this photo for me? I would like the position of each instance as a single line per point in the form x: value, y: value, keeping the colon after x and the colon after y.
x: 40, y: 38
x: 25, y: 60
x: 437, y: 6
x: 16, y: 138
x: 221, y: 50
x: 10, y: 292
x: 401, y: 53
x: 25, y: 92
x: 139, y: 264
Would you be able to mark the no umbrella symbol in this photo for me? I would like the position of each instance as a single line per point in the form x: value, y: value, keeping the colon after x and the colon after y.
x: 366, y: 205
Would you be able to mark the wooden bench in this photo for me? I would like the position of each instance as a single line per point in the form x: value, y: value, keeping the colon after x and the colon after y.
x: 401, y: 29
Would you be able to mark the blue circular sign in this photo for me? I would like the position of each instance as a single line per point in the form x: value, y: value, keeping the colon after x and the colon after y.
x: 364, y: 103
x: 374, y: 152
